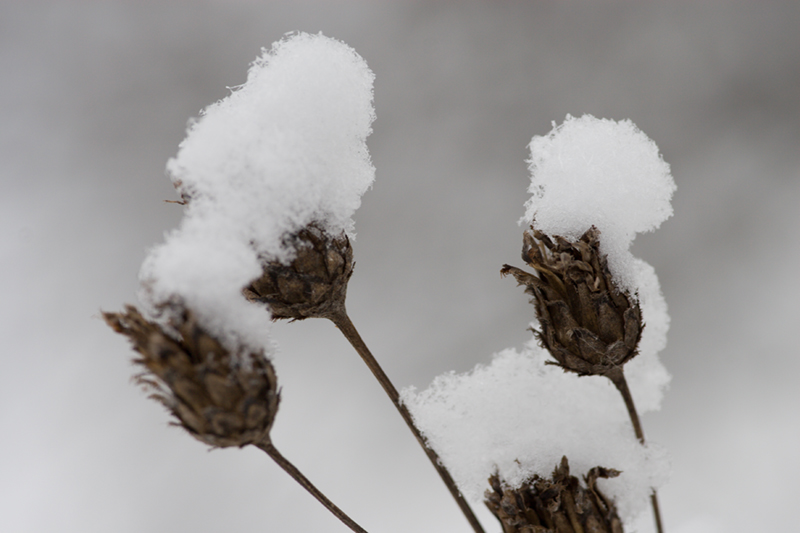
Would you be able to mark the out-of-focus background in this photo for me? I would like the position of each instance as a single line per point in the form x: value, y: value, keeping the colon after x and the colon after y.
x: 94, y: 99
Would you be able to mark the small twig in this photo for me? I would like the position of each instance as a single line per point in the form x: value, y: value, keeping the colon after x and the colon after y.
x: 345, y: 325
x: 298, y: 476
x: 617, y: 377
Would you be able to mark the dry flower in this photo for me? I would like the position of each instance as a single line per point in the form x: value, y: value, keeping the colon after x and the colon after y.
x: 220, y: 398
x: 313, y: 284
x: 587, y: 324
x: 557, y: 505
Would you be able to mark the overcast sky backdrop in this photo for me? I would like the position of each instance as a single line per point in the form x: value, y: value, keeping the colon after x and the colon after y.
x: 94, y: 99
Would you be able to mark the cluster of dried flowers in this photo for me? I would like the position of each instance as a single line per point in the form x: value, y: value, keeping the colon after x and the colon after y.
x: 225, y: 399
x: 281, y: 217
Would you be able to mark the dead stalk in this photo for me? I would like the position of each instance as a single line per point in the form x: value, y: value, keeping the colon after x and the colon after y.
x: 298, y: 476
x: 618, y: 378
x: 345, y: 325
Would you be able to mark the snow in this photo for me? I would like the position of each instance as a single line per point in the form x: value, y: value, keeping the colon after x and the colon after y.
x: 589, y: 171
x: 646, y: 375
x: 285, y: 149
x: 518, y: 416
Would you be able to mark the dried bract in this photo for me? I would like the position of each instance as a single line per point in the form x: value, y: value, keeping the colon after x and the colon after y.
x: 557, y: 505
x: 587, y: 324
x: 220, y: 398
x: 314, y: 284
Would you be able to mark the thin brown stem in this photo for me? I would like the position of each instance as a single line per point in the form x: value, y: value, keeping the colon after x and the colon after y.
x: 656, y: 511
x: 345, y: 325
x: 618, y: 378
x: 298, y: 476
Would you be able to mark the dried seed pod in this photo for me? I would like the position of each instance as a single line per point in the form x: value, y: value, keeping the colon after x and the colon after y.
x: 220, y: 398
x: 313, y: 284
x: 587, y: 324
x: 560, y: 504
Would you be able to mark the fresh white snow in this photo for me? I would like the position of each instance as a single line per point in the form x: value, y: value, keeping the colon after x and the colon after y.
x: 589, y: 171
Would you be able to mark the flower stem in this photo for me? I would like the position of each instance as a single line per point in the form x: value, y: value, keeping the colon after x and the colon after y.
x: 618, y: 378
x: 345, y: 325
x: 298, y: 476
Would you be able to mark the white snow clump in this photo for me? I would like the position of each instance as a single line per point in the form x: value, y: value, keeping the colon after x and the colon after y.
x: 285, y: 149
x: 518, y: 417
x: 600, y: 172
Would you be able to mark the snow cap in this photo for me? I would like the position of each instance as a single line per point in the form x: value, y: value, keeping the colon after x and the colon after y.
x: 589, y: 171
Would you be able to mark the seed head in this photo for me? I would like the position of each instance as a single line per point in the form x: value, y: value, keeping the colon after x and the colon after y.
x: 313, y: 284
x: 587, y: 324
x: 220, y: 398
x: 560, y: 504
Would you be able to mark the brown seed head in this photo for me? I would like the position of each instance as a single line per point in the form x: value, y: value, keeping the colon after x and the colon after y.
x: 560, y: 504
x: 313, y: 284
x: 587, y: 324
x: 220, y: 399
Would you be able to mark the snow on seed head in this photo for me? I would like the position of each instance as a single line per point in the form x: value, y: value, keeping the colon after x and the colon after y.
x: 589, y: 171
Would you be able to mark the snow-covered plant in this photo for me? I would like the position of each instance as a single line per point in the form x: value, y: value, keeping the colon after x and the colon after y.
x: 282, y: 157
x: 270, y: 178
x: 595, y: 184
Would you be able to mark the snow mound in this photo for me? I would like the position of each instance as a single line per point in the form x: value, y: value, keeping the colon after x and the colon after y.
x: 518, y: 417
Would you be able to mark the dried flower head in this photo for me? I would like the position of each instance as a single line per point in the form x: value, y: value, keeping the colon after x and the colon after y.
x: 587, y: 324
x: 557, y: 505
x: 313, y: 284
x: 220, y: 398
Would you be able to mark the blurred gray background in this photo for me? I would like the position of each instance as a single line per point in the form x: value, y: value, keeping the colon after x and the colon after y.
x: 95, y: 97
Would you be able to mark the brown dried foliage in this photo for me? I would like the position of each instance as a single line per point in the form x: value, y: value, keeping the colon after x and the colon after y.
x: 314, y: 284
x: 587, y: 324
x: 558, y: 505
x: 219, y: 398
